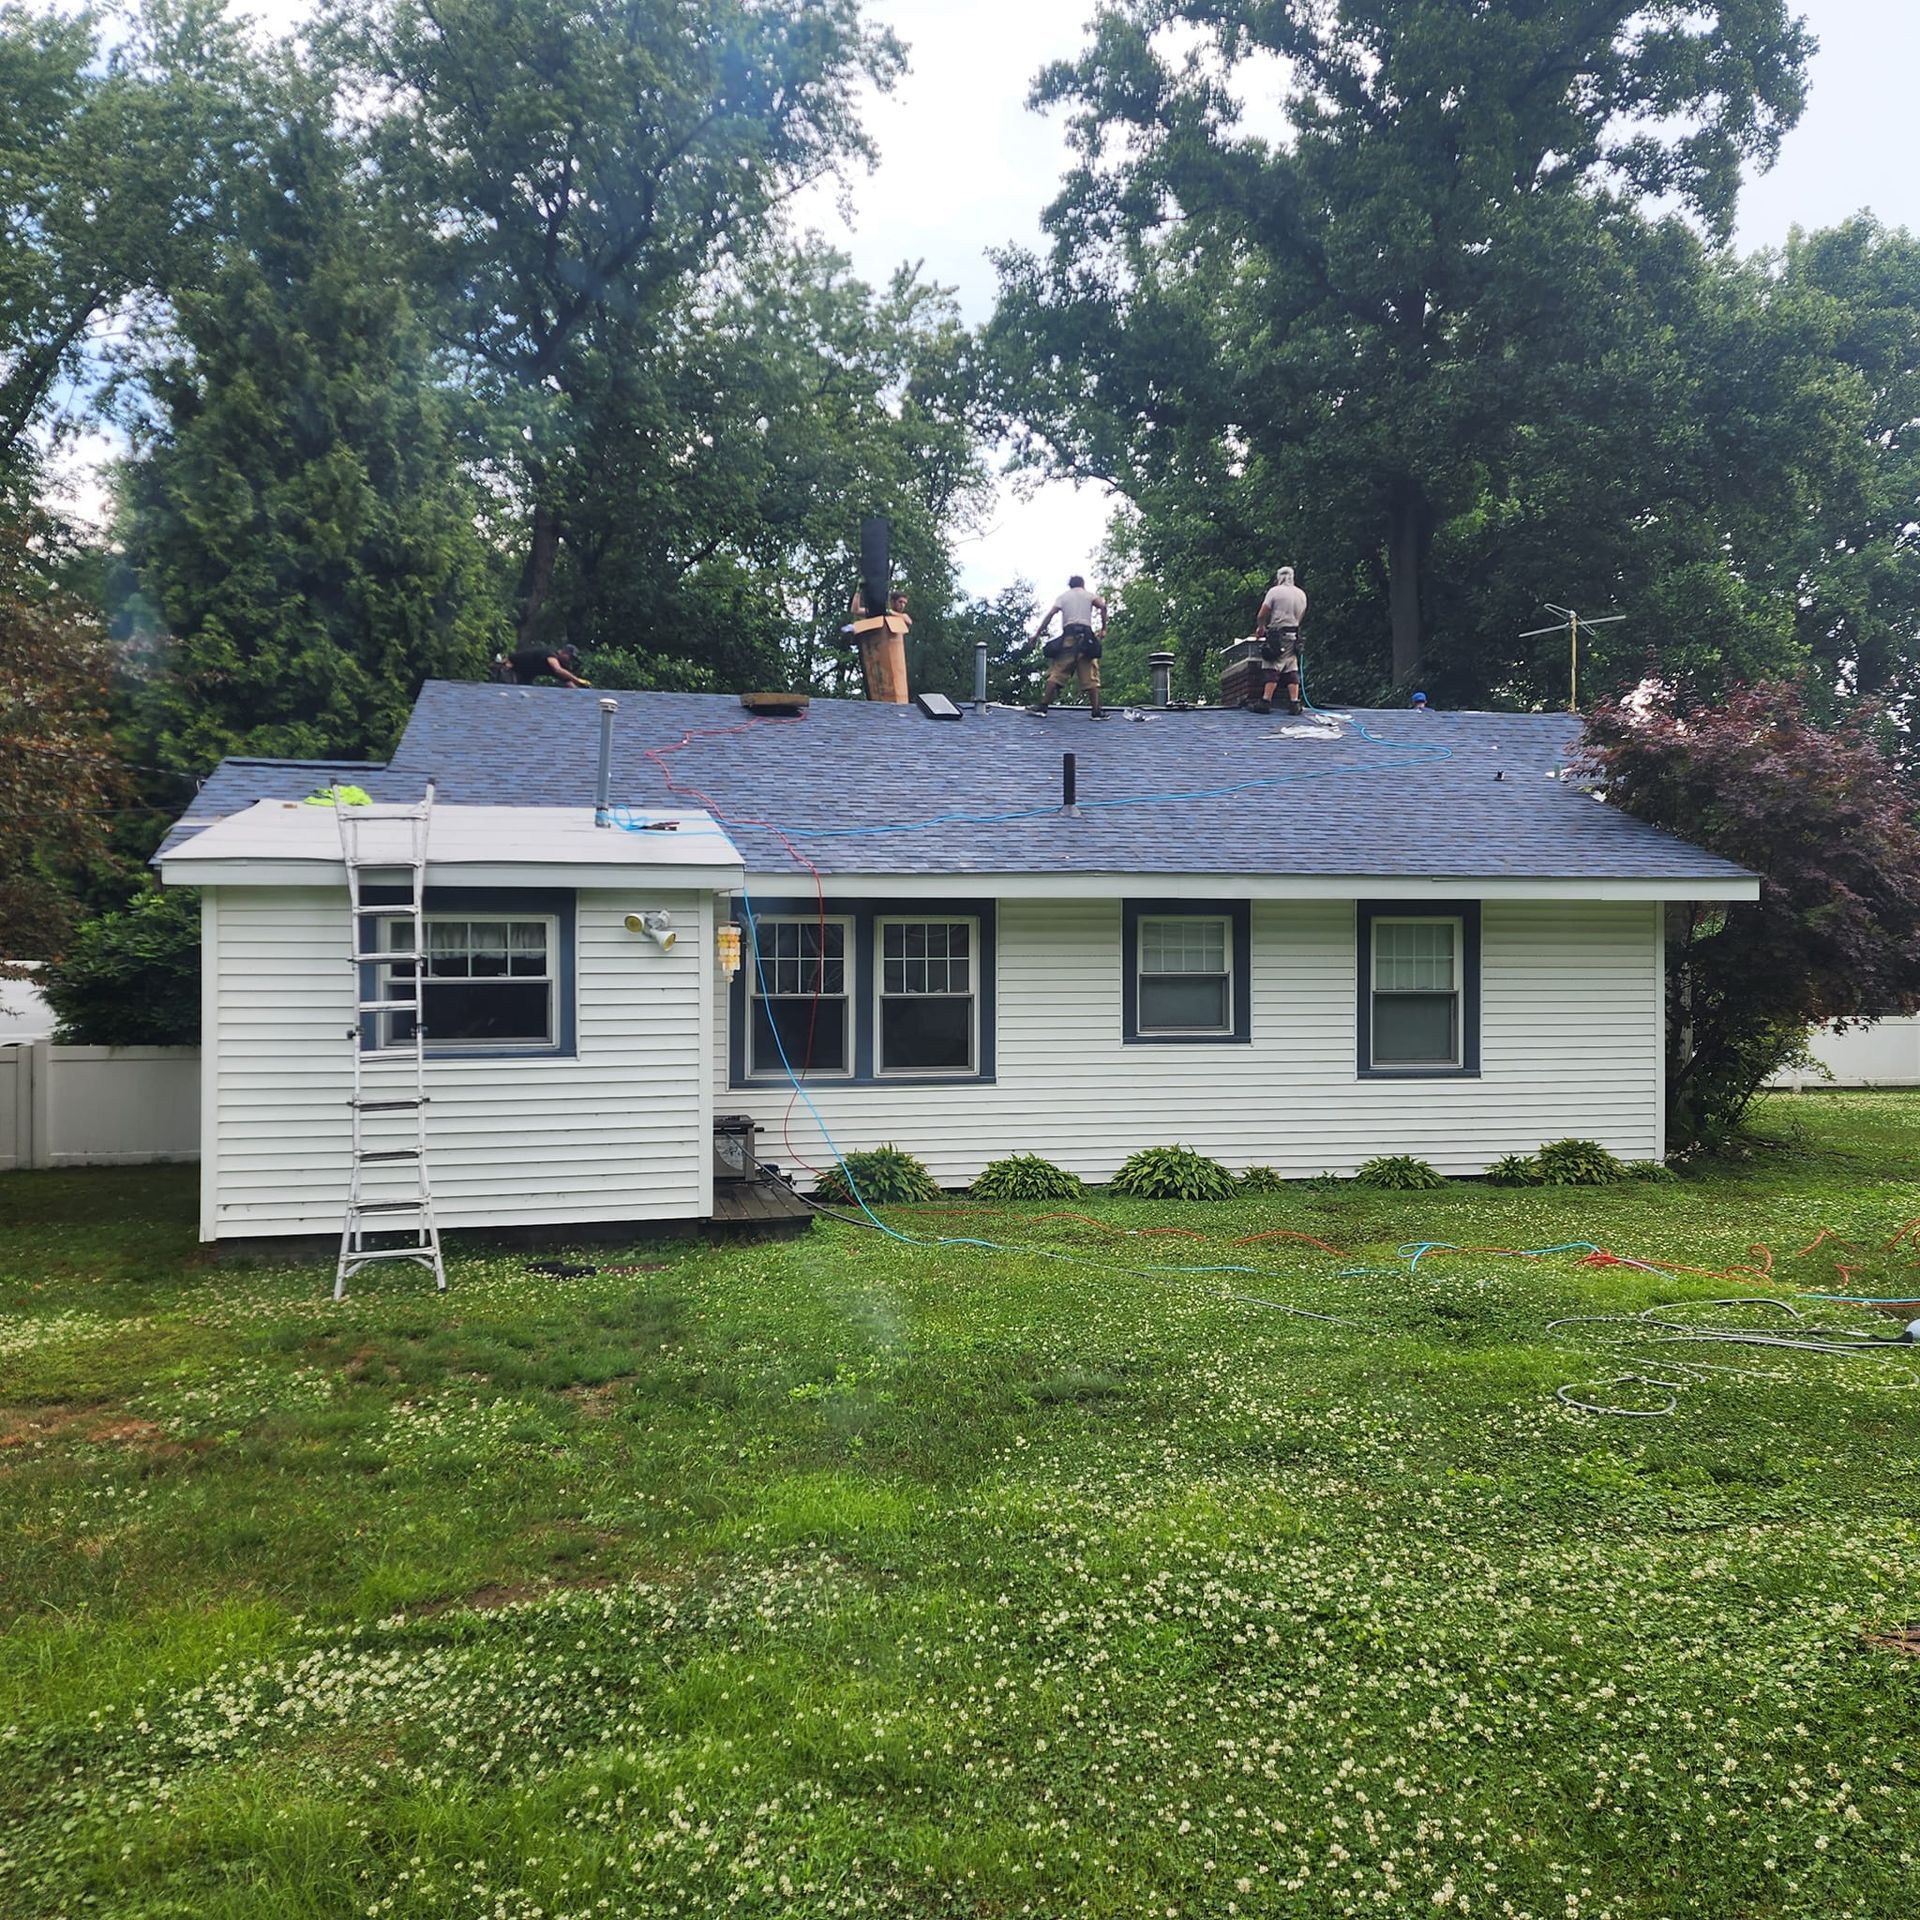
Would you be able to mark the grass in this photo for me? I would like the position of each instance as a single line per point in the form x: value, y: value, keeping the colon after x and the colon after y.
x: 844, y: 1577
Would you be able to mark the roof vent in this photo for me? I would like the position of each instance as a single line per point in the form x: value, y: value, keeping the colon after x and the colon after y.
x: 936, y: 706
x: 776, y: 706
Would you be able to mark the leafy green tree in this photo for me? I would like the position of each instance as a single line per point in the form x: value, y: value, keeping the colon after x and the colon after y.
x: 300, y: 531
x: 577, y: 171
x: 1347, y: 333
x: 59, y: 774
x: 116, y: 132
x: 131, y: 978
x: 1831, y: 826
x: 724, y: 484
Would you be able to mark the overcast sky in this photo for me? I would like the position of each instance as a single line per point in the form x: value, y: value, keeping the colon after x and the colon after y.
x: 964, y: 167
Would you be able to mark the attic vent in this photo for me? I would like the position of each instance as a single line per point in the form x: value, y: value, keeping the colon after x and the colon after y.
x: 776, y: 706
x: 936, y: 706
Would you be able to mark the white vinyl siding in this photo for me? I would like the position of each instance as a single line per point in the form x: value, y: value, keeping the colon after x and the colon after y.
x: 1570, y: 1045
x: 621, y: 1130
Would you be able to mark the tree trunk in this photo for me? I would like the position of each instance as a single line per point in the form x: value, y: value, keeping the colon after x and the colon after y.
x: 1409, y: 529
x: 543, y: 549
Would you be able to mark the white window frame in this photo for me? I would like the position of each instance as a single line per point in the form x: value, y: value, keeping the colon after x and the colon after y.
x: 1224, y: 921
x: 971, y: 1071
x: 387, y: 987
x: 1457, y: 926
x: 849, y: 969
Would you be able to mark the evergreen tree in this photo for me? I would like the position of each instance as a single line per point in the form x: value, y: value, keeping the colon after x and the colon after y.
x: 300, y: 529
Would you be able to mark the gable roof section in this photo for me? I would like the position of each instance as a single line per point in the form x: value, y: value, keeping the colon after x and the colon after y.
x: 883, y: 792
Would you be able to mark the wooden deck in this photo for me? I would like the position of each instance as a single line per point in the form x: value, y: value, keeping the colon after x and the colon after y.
x: 758, y: 1210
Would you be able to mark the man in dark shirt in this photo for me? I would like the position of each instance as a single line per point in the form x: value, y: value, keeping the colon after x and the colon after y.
x: 531, y: 664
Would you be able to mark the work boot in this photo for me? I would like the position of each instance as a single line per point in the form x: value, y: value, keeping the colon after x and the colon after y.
x: 1257, y: 705
x: 1099, y: 712
x: 1294, y: 706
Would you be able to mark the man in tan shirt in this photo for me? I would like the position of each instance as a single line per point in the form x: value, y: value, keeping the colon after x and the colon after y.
x: 1278, y: 631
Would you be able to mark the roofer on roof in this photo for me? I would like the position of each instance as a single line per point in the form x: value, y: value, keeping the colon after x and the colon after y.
x: 1278, y: 631
x: 1076, y: 653
x: 527, y: 665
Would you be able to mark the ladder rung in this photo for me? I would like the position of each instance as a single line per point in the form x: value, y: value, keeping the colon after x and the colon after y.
x: 389, y: 1206
x: 370, y: 913
x: 390, y: 1153
x: 359, y: 1256
x: 389, y: 1006
x: 390, y: 1106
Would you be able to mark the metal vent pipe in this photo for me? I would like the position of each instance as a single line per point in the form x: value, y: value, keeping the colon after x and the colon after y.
x: 979, y: 673
x: 1160, y: 665
x: 1069, y: 786
x: 603, y: 784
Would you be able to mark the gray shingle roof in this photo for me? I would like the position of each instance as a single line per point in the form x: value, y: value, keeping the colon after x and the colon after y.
x: 883, y: 790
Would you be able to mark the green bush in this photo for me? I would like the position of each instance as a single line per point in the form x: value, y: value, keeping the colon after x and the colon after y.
x: 1578, y: 1163
x: 132, y: 978
x: 1515, y: 1170
x: 885, y: 1176
x: 1654, y: 1171
x: 1261, y: 1180
x: 1025, y: 1176
x: 1400, y: 1172
x: 1173, y: 1173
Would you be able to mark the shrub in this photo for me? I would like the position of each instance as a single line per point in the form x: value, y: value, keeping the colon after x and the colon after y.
x: 1653, y: 1171
x: 1401, y: 1172
x: 1261, y: 1180
x: 1173, y: 1173
x: 1515, y: 1170
x: 1025, y: 1176
x: 132, y: 978
x: 1578, y: 1163
x: 885, y: 1176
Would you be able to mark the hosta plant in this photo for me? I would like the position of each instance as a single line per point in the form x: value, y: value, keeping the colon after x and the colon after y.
x: 1578, y: 1163
x: 1261, y: 1180
x: 1515, y: 1170
x: 1025, y: 1176
x: 1656, y: 1171
x: 1400, y: 1172
x: 1173, y: 1173
x: 885, y: 1177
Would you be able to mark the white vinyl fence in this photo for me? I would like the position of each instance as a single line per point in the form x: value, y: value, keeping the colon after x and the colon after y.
x: 97, y: 1106
x: 1885, y: 1053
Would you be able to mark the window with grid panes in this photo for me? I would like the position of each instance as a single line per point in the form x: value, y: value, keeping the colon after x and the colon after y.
x: 1186, y: 974
x: 798, y: 986
x: 1416, y: 993
x: 487, y: 982
x: 927, y: 986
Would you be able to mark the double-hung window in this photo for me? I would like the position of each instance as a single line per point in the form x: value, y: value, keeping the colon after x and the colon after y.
x: 799, y: 979
x: 1186, y: 974
x: 1417, y: 993
x: 485, y: 981
x: 928, y: 990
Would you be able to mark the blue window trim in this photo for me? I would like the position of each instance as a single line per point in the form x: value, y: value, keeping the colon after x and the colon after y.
x: 1239, y: 915
x: 505, y: 901
x: 1467, y: 912
x: 860, y: 1011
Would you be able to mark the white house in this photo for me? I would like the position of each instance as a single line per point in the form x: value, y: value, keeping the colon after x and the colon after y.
x: 1288, y: 944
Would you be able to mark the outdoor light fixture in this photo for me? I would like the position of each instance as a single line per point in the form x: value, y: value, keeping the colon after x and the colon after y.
x: 657, y: 925
x: 727, y: 948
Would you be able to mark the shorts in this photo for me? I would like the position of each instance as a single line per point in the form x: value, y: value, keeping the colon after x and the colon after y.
x: 1281, y: 651
x: 1078, y: 659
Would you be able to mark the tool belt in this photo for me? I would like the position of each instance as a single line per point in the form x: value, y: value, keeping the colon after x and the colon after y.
x: 1279, y: 642
x: 1080, y: 641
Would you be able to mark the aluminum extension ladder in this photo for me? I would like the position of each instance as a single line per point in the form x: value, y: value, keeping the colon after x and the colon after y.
x: 389, y: 1101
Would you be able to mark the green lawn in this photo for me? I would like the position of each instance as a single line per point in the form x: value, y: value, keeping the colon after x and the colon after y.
x: 848, y: 1577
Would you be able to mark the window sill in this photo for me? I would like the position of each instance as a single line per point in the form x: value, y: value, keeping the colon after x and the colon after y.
x: 769, y: 1082
x: 397, y: 1055
x: 1187, y: 1039
x: 1419, y: 1073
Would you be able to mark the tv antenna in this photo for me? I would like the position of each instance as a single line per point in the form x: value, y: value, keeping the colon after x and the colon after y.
x: 1570, y: 624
